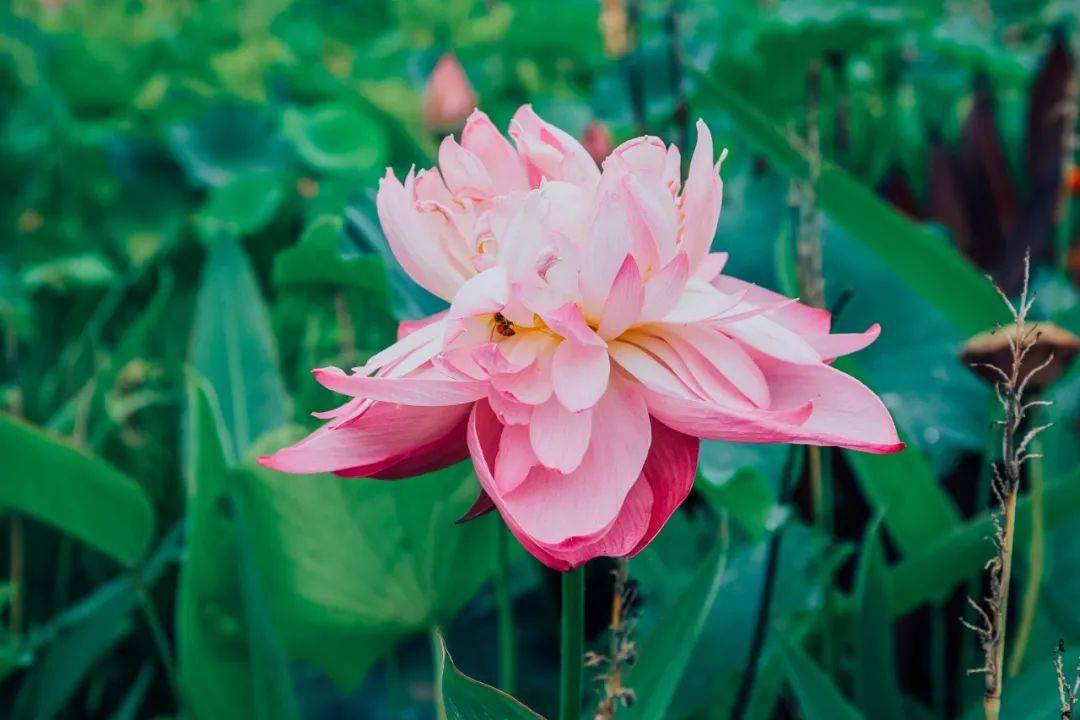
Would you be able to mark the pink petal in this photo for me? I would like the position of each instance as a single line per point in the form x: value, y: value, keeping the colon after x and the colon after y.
x: 606, y: 246
x: 795, y: 316
x: 701, y: 301
x: 832, y: 346
x: 701, y: 199
x: 382, y: 432
x: 623, y: 537
x: 503, y: 165
x: 437, y: 454
x: 625, y: 301
x: 509, y: 410
x: 550, y: 153
x: 579, y: 374
x: 647, y: 370
x: 515, y: 458
x: 552, y: 507
x: 411, y: 240
x: 523, y: 348
x: 483, y: 436
x: 724, y: 356
x: 716, y: 422
x: 711, y: 266
x: 483, y: 294
x: 664, y: 289
x: 408, y: 327
x: 647, y: 157
x: 559, y: 437
x: 716, y: 388
x: 533, y: 385
x: 773, y: 339
x: 669, y: 471
x: 489, y: 357
x: 415, y: 391
x: 430, y: 331
x: 653, y: 223
x: 463, y: 172
x: 568, y: 322
x: 845, y: 412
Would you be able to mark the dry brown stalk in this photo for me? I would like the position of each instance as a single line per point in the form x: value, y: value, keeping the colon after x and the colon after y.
x: 623, y: 650
x: 1012, y: 384
x: 1067, y: 692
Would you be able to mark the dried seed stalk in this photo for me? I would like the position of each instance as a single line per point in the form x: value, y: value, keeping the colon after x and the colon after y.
x: 1067, y: 693
x: 1015, y: 451
x: 623, y: 650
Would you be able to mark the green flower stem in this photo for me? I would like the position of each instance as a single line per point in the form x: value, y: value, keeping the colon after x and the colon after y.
x: 572, y: 639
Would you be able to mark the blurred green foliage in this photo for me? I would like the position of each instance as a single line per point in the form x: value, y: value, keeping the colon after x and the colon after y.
x: 189, y: 228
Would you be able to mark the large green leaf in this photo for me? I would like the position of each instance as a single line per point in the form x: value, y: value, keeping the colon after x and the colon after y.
x: 932, y: 573
x: 229, y: 662
x: 670, y: 564
x: 243, y: 205
x: 922, y: 257
x: 666, y: 653
x: 747, y: 497
x: 818, y: 698
x: 876, y: 691
x: 233, y: 347
x: 74, y: 491
x: 351, y: 566
x: 317, y: 260
x: 468, y: 699
x: 337, y: 137
x: 228, y: 142
x: 904, y: 489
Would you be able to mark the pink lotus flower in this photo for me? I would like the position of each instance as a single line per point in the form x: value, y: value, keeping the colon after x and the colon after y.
x: 591, y: 340
x: 449, y: 96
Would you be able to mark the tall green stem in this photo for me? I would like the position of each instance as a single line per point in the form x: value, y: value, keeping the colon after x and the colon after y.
x: 572, y: 638
x: 505, y: 613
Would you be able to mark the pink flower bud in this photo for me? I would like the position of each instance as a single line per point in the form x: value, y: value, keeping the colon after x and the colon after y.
x: 597, y: 141
x: 449, y: 97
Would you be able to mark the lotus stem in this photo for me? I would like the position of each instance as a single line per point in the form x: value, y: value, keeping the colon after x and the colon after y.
x: 572, y: 642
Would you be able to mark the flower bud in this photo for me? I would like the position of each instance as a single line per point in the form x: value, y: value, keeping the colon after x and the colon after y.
x: 449, y: 97
x: 597, y: 141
